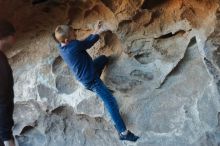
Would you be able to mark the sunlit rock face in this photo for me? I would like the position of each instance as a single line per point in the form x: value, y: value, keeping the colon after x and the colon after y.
x: 164, y: 72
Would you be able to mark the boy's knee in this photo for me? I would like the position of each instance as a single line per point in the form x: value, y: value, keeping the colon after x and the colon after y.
x: 104, y: 58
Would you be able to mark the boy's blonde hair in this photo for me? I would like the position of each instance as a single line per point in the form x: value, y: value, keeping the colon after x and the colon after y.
x: 63, y: 32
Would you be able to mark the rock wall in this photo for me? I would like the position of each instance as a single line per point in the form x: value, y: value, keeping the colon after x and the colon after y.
x: 164, y: 72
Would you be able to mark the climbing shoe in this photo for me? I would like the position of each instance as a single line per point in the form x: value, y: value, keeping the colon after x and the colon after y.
x: 128, y: 136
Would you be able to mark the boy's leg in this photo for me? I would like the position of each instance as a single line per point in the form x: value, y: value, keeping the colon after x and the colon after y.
x: 100, y: 62
x: 110, y: 103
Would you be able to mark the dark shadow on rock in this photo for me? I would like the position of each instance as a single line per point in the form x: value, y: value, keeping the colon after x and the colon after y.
x: 59, y: 67
x: 150, y: 4
x: 59, y: 110
x: 216, y: 56
x: 169, y: 35
x: 66, y: 84
x: 218, y: 86
x: 26, y: 129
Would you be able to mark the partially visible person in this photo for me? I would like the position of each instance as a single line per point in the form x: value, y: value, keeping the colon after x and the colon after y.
x: 7, y: 39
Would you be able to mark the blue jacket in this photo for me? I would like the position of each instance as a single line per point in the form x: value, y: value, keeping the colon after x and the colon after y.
x: 78, y: 60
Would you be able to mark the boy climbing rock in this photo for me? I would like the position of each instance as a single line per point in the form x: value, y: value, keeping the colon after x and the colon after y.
x: 88, y: 71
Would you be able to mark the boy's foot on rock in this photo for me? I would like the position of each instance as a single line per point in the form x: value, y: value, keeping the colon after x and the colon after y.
x: 129, y: 136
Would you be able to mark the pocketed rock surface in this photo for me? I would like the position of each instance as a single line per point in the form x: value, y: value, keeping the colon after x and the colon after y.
x: 164, y: 72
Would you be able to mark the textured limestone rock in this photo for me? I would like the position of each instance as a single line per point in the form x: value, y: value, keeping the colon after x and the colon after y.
x: 165, y: 72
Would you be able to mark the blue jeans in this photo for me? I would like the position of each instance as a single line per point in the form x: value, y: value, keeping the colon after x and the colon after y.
x: 103, y: 92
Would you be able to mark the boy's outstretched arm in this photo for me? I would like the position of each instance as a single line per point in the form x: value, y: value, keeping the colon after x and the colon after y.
x: 90, y: 41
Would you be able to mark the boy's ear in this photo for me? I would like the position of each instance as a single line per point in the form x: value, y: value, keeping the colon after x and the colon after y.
x: 66, y: 41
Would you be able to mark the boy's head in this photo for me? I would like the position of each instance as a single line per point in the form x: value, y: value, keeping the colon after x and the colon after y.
x: 64, y: 33
x: 7, y: 34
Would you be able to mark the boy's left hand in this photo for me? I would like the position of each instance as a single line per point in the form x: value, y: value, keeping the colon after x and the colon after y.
x: 98, y: 27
